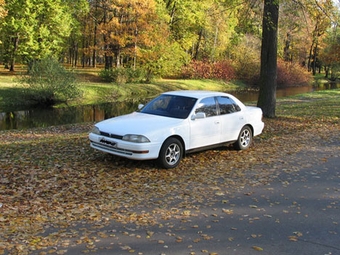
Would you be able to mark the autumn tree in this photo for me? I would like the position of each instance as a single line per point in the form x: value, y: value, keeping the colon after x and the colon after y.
x: 204, y: 29
x: 268, y: 73
x: 34, y: 29
x: 321, y: 14
x: 186, y: 22
x: 124, y: 26
x: 3, y: 12
x: 78, y: 9
x: 330, y: 54
x: 294, y: 32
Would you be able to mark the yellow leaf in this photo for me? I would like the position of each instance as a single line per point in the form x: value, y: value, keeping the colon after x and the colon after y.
x: 257, y: 248
x: 297, y: 233
x: 228, y: 211
x: 293, y: 238
x: 219, y: 193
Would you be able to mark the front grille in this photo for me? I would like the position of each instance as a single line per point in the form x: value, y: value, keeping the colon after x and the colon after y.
x: 110, y: 149
x: 111, y: 135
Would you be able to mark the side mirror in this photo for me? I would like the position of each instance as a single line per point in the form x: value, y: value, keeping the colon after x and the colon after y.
x: 140, y: 106
x: 199, y: 115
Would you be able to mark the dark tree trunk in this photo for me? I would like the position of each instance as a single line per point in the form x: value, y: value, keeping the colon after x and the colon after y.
x: 108, y: 62
x: 326, y: 71
x: 314, y: 66
x: 75, y: 55
x: 287, y: 55
x: 15, y: 43
x: 94, y: 52
x: 268, y: 74
x: 197, y: 47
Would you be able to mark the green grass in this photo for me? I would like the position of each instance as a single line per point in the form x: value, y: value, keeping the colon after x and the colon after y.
x: 314, y: 105
x: 321, y: 104
x: 94, y: 91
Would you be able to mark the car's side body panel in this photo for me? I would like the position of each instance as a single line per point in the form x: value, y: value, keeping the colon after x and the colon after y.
x: 204, y: 132
x: 231, y: 125
x: 254, y: 114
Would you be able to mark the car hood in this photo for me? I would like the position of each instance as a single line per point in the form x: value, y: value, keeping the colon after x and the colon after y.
x: 137, y: 123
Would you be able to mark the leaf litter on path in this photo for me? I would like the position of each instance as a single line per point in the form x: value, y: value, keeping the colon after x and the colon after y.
x: 52, y: 179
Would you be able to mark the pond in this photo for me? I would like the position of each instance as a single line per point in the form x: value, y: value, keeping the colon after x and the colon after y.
x: 93, y: 113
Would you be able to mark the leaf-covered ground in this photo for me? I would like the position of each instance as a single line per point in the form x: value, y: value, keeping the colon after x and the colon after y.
x: 51, y: 178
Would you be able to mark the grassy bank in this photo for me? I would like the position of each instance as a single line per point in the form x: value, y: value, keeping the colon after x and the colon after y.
x: 316, y: 106
x: 94, y: 91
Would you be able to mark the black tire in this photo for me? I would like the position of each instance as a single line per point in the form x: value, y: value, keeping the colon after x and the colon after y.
x: 171, y: 153
x: 244, y: 139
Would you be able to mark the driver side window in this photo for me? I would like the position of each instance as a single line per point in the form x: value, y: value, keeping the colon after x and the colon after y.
x: 208, y: 106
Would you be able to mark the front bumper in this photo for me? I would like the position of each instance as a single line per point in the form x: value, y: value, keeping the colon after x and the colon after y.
x: 137, y: 151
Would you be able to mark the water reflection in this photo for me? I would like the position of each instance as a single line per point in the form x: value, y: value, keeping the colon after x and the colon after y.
x: 58, y: 116
x: 94, y: 113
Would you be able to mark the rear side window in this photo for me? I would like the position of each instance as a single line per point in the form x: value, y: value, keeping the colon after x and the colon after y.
x: 208, y: 106
x: 227, y: 105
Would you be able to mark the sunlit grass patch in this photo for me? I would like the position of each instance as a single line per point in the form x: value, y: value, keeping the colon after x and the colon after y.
x: 319, y: 105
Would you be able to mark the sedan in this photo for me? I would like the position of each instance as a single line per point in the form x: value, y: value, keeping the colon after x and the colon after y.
x: 176, y: 123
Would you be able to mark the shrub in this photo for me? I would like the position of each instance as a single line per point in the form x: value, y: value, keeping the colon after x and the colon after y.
x: 249, y: 72
x: 122, y: 75
x: 292, y: 74
x: 47, y: 83
x: 246, y: 60
x: 107, y: 75
x: 288, y: 74
x: 221, y: 70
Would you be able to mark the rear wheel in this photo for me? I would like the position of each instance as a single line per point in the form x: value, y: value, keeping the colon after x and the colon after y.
x: 171, y: 153
x: 245, y: 139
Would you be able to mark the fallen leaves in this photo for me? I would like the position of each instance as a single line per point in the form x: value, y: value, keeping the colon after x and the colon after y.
x: 257, y: 248
x: 295, y: 237
x: 51, y: 177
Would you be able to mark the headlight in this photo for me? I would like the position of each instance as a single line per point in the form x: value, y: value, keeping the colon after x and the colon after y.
x: 95, y: 130
x: 136, y: 138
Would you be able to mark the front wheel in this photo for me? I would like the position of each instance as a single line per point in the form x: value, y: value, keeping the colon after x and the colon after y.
x: 170, y: 154
x: 244, y: 139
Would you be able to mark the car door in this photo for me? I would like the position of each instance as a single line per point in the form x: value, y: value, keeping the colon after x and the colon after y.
x: 231, y: 118
x: 205, y: 131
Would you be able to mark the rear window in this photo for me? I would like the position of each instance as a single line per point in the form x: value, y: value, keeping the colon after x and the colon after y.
x: 227, y: 105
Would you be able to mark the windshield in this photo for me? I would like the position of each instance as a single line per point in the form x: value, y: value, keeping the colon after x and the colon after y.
x: 170, y: 106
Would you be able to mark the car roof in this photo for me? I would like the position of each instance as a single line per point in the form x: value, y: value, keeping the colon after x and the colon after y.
x: 196, y: 93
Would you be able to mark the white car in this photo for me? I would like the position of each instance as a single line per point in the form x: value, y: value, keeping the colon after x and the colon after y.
x: 176, y: 123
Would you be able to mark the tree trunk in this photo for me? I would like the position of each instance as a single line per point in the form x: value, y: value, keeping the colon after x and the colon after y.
x: 287, y: 56
x: 315, y: 58
x: 94, y: 51
x: 15, y: 43
x: 268, y: 73
x: 197, y: 46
